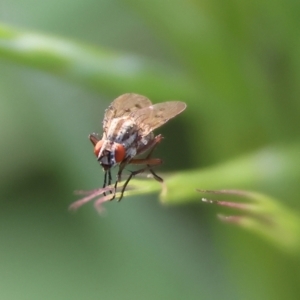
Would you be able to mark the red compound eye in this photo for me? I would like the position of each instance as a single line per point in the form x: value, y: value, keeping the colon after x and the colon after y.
x: 98, y: 147
x: 119, y: 153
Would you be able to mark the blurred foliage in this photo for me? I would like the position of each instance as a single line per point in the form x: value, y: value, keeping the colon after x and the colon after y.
x: 237, y: 66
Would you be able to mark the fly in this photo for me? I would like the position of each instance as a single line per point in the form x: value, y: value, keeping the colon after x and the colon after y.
x: 128, y: 127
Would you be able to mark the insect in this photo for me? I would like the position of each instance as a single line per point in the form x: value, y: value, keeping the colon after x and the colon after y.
x: 128, y: 127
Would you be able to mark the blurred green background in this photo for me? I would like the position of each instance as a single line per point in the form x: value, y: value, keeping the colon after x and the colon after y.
x: 237, y: 66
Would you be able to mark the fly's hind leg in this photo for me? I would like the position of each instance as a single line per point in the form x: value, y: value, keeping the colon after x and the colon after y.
x: 157, y: 139
x: 151, y: 162
x: 156, y: 177
x: 128, y: 179
x: 147, y: 160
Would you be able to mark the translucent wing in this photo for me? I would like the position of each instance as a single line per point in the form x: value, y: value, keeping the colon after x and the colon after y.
x: 154, y: 116
x: 124, y: 105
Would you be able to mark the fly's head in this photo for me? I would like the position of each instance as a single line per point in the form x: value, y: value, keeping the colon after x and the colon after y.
x: 108, y: 153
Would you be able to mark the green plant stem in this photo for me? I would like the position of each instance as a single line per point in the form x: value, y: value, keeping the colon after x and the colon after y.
x: 100, y: 69
x: 261, y: 214
x: 268, y: 167
x: 260, y: 170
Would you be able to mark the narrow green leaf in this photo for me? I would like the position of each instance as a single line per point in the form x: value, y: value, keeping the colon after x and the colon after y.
x: 100, y: 69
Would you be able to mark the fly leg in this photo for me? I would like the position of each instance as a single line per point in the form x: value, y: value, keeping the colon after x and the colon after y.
x: 94, y: 138
x: 149, y: 162
x: 119, y: 175
x: 128, y: 179
x: 156, y: 177
x: 107, y: 177
x: 157, y: 141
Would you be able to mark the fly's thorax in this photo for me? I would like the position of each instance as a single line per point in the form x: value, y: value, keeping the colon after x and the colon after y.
x: 123, y: 130
x: 109, y: 153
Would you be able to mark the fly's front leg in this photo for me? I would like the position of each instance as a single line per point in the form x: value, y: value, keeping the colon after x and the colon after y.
x: 119, y: 178
x: 104, y: 181
x: 107, y: 177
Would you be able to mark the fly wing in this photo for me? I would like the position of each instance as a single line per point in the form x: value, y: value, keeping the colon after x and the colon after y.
x: 154, y: 116
x: 124, y: 105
